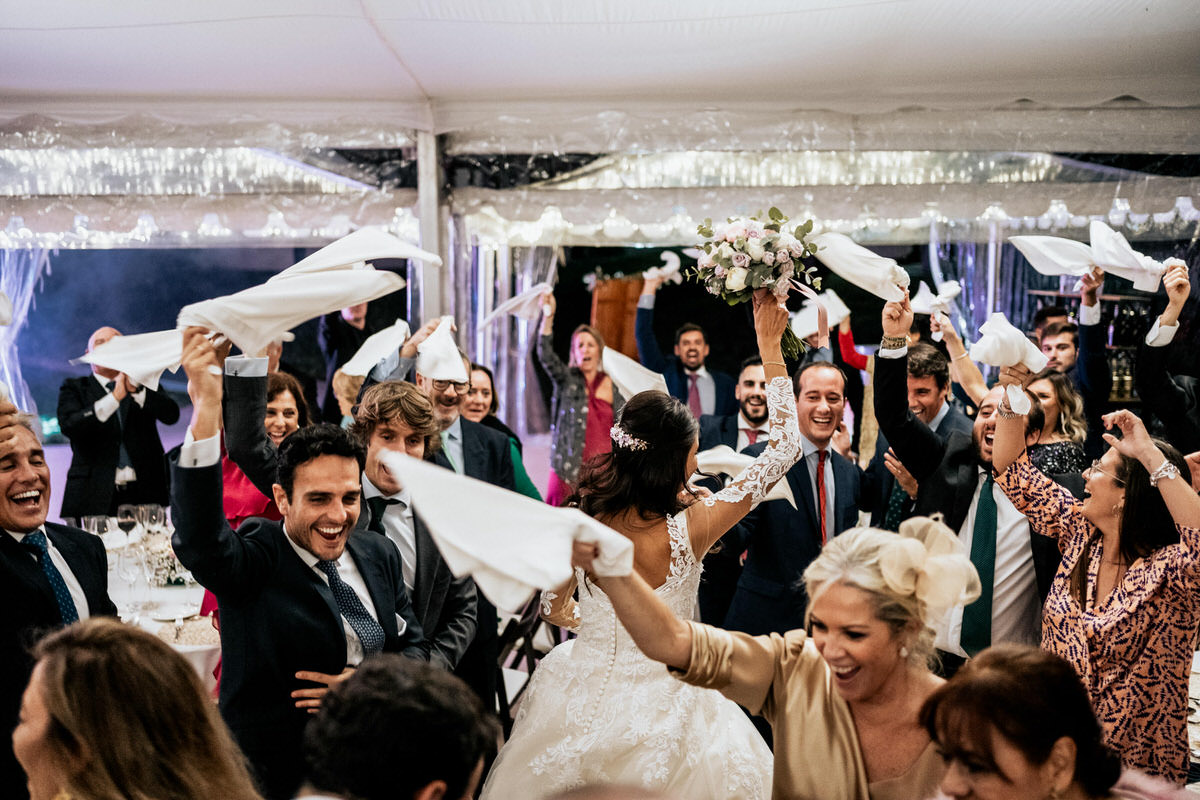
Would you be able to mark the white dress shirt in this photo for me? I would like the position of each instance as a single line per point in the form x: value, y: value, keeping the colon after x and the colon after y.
x: 206, y: 453
x: 399, y: 527
x: 105, y: 407
x: 1016, y: 608
x: 64, y: 569
x: 1160, y: 335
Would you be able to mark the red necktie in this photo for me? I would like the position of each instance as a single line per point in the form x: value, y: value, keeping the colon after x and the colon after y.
x: 751, y: 435
x: 694, y: 396
x: 821, y: 491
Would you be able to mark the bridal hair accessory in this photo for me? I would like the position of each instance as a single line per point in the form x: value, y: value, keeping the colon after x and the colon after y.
x: 743, y: 254
x: 926, y: 561
x: 623, y: 439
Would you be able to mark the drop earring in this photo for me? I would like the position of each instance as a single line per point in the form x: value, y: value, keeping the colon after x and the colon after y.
x: 903, y: 652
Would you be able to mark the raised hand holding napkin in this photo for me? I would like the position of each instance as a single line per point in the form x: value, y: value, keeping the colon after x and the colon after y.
x: 526, y: 305
x: 376, y: 348
x: 669, y: 272
x: 510, y: 544
x: 1002, y: 345
x: 142, y: 356
x: 1112, y: 253
x: 438, y: 357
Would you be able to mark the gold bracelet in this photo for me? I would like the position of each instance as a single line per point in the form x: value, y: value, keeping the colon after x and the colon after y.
x: 892, y: 342
x: 777, y: 363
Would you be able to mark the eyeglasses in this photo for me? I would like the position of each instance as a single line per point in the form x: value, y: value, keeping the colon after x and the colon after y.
x: 1095, y: 467
x: 460, y: 387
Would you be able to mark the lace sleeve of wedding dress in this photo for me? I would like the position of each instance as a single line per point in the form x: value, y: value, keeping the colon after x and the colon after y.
x: 559, y: 607
x: 780, y: 454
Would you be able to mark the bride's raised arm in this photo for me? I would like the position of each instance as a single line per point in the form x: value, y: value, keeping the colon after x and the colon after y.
x: 709, y: 520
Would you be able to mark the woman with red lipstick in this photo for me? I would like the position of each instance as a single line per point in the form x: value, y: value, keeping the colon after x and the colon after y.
x: 843, y: 698
x: 585, y: 401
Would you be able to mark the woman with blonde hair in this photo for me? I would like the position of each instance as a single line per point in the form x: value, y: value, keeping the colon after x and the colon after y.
x: 1059, y: 448
x: 842, y: 697
x: 112, y: 712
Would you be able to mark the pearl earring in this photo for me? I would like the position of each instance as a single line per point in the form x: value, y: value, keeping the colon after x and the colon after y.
x: 903, y: 652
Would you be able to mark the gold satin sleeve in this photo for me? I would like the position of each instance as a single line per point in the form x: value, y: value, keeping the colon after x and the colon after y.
x: 742, y: 667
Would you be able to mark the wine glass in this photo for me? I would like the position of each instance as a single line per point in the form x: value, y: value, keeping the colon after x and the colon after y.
x: 127, y: 518
x: 130, y: 569
x: 153, y: 518
x: 97, y: 525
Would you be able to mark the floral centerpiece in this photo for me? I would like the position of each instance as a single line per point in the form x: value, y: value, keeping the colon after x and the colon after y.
x: 162, y: 565
x: 748, y: 253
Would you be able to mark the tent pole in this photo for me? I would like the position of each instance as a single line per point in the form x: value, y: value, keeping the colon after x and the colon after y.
x: 426, y: 283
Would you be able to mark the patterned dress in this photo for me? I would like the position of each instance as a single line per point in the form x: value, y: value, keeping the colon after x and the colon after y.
x: 1134, y: 648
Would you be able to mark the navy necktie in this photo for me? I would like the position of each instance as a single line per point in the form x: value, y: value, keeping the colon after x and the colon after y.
x: 36, y: 542
x: 123, y: 459
x: 378, y: 506
x: 369, y: 631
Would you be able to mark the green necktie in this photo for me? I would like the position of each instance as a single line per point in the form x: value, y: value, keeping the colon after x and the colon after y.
x: 446, y: 452
x: 977, y: 617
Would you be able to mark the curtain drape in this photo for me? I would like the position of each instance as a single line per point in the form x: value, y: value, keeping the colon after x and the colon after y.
x: 20, y: 271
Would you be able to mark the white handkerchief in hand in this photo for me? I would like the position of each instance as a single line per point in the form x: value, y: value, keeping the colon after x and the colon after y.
x: 629, y: 376
x: 143, y: 356
x: 838, y: 310
x: 527, y: 305
x: 880, y: 276
x: 257, y: 316
x: 724, y: 459
x: 438, y: 358
x: 1002, y: 345
x: 669, y: 272
x: 6, y: 309
x: 377, y: 347
x: 1113, y: 254
x: 804, y: 322
x: 350, y: 252
x: 510, y: 544
x: 1054, y: 255
x: 926, y: 302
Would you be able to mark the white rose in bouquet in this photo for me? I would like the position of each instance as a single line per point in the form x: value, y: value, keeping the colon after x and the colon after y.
x: 735, y: 281
x: 755, y: 249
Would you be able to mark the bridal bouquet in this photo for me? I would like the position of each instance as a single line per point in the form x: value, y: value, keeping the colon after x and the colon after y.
x: 748, y: 253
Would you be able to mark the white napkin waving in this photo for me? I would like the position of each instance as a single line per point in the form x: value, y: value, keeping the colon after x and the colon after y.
x: 804, y: 321
x: 377, y: 347
x: 510, y: 544
x: 438, y: 357
x: 526, y: 305
x: 257, y: 316
x: 629, y: 376
x: 1002, y: 345
x: 143, y: 356
x: 1112, y: 253
x: 926, y: 302
x: 669, y: 272
x: 350, y: 252
x: 1053, y: 255
x: 723, y: 459
x: 880, y: 276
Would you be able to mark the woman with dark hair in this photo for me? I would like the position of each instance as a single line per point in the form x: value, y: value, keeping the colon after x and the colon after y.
x: 599, y: 710
x: 1124, y: 606
x: 1015, y: 723
x: 585, y: 400
x: 111, y: 712
x: 1059, y: 448
x: 480, y: 406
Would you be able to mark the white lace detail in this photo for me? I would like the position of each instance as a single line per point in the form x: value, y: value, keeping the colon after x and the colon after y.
x: 778, y: 457
x: 598, y: 710
x: 547, y: 607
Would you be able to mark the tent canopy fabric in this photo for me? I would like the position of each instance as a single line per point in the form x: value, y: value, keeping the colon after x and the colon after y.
x: 451, y: 64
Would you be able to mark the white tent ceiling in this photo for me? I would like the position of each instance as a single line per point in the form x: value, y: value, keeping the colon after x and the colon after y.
x: 444, y: 65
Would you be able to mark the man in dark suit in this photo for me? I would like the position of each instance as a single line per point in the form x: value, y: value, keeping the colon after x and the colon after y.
x: 116, y: 455
x: 1174, y: 399
x: 723, y: 563
x: 50, y: 575
x: 302, y: 600
x: 341, y: 333
x: 703, y: 391
x: 928, y: 389
x: 954, y: 475
x: 782, y: 541
x: 1080, y: 352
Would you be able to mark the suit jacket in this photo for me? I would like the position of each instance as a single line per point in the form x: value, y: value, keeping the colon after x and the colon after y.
x: 672, y: 368
x: 445, y: 605
x: 277, y: 617
x: 95, y: 447
x: 31, y: 612
x: 946, y: 469
x: 718, y: 430
x: 1174, y: 399
x: 1092, y: 377
x: 782, y: 541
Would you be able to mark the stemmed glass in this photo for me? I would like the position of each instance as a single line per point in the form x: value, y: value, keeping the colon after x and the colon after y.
x: 127, y: 519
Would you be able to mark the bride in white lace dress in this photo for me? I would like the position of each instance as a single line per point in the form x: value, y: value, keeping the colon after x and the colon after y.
x: 597, y: 710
